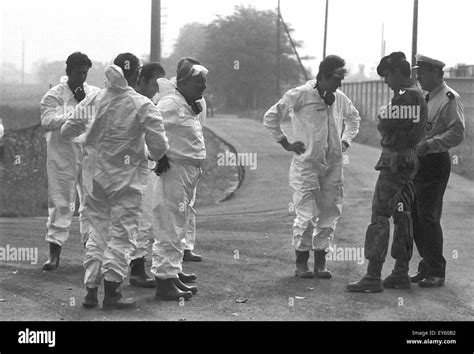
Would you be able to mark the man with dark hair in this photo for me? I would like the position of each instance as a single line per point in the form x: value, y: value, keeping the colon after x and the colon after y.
x: 201, y: 106
x: 148, y: 80
x: 148, y: 87
x: 64, y: 158
x: 175, y: 190
x: 317, y: 111
x: 114, y: 165
x: 77, y: 66
x: 401, y: 126
x: 445, y: 130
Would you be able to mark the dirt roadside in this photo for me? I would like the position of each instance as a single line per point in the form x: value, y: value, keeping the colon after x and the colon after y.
x: 255, y: 225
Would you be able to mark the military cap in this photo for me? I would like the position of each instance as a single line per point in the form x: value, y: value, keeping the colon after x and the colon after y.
x: 423, y: 59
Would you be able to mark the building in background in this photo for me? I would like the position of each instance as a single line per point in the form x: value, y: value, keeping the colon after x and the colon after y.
x: 460, y: 70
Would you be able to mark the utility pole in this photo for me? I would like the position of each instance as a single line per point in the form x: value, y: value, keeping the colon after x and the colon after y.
x: 303, y: 70
x: 278, y: 53
x: 325, y: 29
x: 155, y: 37
x: 23, y: 61
x: 415, y: 35
x: 383, y: 40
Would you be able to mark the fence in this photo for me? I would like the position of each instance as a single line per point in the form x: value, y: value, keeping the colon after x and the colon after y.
x: 369, y: 96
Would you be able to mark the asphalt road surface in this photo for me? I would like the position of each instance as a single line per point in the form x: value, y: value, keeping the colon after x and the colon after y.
x: 247, y: 252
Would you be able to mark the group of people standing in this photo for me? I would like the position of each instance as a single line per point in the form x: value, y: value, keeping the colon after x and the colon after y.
x: 142, y: 121
x: 414, y: 168
x: 104, y: 149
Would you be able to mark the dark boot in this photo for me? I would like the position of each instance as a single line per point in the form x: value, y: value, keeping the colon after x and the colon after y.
x: 166, y: 290
x: 365, y: 285
x: 90, y: 300
x: 138, y: 275
x: 320, y: 265
x: 399, y: 278
x: 395, y: 281
x: 431, y: 282
x: 419, y: 276
x: 187, y: 278
x: 53, y: 260
x: 421, y: 273
x: 302, y: 269
x: 189, y: 256
x: 183, y: 287
x: 113, y: 297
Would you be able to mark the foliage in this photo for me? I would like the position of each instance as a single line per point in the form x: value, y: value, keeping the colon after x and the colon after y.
x: 49, y: 73
x: 23, y: 191
x: 240, y: 52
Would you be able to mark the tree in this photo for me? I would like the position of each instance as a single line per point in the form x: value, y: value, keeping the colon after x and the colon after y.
x: 190, y: 43
x: 49, y: 73
x: 240, y: 52
x: 241, y: 55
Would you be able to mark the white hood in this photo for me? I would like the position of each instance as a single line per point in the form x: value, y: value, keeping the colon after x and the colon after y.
x: 114, y: 77
x: 165, y: 85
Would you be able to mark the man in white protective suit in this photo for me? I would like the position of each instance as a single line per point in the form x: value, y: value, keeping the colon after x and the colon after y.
x: 153, y: 85
x: 114, y: 166
x: 64, y: 158
x: 190, y: 239
x: 317, y: 111
x: 175, y: 190
x: 147, y: 86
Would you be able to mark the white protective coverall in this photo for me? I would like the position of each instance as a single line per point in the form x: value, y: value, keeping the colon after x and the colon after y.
x: 175, y: 190
x: 145, y: 234
x: 115, y: 169
x: 63, y: 163
x: 315, y: 175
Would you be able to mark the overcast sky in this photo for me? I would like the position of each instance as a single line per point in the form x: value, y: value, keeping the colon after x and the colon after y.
x: 52, y: 29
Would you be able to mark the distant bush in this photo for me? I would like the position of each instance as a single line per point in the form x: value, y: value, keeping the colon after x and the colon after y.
x: 22, y: 95
x: 17, y: 118
x: 24, y: 188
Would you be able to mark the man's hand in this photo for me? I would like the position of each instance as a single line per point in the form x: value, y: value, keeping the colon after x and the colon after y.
x: 162, y: 166
x: 422, y: 149
x: 79, y: 94
x: 297, y: 147
x: 344, y: 145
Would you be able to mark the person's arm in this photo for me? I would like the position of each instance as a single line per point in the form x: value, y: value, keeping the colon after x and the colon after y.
x: 53, y: 115
x: 351, y: 123
x: 203, y: 115
x: 155, y: 136
x: 453, y: 118
x: 280, y: 111
x: 79, y: 120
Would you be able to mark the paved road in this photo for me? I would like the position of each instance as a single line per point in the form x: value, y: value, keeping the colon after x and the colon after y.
x: 247, y: 254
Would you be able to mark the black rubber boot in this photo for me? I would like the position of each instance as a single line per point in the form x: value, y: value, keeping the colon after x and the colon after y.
x: 189, y: 256
x: 365, y: 285
x: 320, y: 265
x: 395, y: 281
x: 421, y: 274
x: 166, y: 290
x: 302, y: 269
x: 187, y: 278
x: 90, y: 300
x: 183, y: 287
x: 53, y: 260
x: 138, y: 275
x: 113, y: 297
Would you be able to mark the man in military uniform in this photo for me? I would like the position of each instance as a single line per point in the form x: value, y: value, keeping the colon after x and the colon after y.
x: 401, y: 126
x: 444, y: 130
